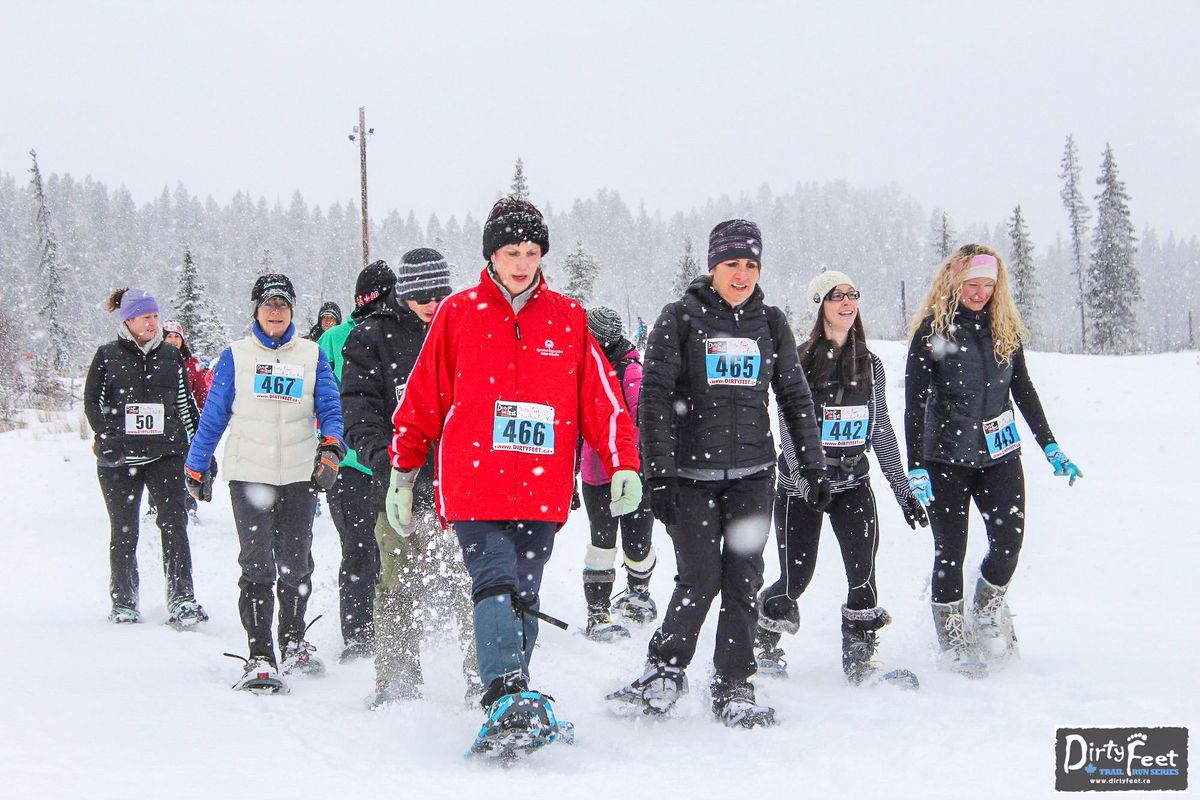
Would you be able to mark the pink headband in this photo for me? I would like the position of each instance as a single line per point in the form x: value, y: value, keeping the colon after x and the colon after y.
x: 980, y: 265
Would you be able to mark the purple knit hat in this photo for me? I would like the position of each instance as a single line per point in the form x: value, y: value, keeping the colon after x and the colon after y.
x: 734, y: 238
x: 135, y: 303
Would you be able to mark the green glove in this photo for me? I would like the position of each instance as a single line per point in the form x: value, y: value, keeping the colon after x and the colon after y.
x: 626, y: 492
x: 400, y: 500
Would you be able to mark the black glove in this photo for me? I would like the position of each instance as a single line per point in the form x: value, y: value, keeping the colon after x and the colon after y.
x: 575, y: 501
x: 329, y: 460
x: 664, y: 499
x: 212, y: 467
x: 819, y: 498
x: 914, y: 512
x: 199, y: 484
x: 109, y: 449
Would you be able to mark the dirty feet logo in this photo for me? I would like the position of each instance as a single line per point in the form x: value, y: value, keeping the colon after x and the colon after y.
x: 1116, y: 759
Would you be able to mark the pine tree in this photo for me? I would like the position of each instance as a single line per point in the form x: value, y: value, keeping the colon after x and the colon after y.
x: 267, y: 265
x: 520, y: 186
x: 941, y: 235
x: 12, y: 379
x: 1022, y: 271
x: 582, y: 269
x: 203, y: 330
x: 1113, y: 284
x: 57, y: 347
x: 686, y: 269
x: 1077, y: 218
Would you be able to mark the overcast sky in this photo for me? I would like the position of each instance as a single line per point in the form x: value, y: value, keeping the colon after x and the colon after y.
x: 964, y: 105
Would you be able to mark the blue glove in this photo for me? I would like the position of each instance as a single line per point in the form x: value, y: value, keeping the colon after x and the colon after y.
x: 922, y: 488
x: 1062, y: 464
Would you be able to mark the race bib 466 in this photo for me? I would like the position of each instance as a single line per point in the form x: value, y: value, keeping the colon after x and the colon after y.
x: 523, y: 427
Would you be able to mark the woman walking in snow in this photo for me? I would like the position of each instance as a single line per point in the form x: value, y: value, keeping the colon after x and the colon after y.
x: 712, y: 358
x: 599, y: 573
x: 268, y: 389
x: 966, y: 366
x: 138, y: 405
x: 850, y: 394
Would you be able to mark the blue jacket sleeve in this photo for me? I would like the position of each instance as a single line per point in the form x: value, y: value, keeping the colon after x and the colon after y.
x: 215, y: 417
x: 327, y: 400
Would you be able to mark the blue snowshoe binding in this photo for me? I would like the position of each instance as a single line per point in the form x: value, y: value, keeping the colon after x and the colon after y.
x: 520, y: 723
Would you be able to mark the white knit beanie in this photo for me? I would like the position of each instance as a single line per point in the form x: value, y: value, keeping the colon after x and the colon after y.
x: 821, y: 285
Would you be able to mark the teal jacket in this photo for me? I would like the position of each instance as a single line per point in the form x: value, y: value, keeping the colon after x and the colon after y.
x: 331, y: 343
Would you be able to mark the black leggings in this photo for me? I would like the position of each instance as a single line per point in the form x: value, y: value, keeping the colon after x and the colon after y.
x: 999, y: 494
x: 798, y: 532
x: 635, y: 527
x: 122, y: 489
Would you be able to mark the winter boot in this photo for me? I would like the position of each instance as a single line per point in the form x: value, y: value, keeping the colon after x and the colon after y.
x: 601, y: 627
x: 733, y: 704
x: 260, y: 676
x: 124, y: 616
x: 777, y: 615
x: 956, y: 641
x: 185, y: 614
x: 634, y: 604
x: 298, y: 655
x: 859, y: 641
x: 653, y: 694
x: 993, y: 623
x: 356, y: 649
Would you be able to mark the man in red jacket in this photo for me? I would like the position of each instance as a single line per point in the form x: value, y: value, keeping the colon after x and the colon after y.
x: 508, y: 379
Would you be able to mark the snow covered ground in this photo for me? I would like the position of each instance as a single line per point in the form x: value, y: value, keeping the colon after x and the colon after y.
x: 1104, y: 598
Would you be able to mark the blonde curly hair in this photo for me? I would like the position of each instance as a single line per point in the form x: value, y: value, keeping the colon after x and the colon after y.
x: 945, y: 294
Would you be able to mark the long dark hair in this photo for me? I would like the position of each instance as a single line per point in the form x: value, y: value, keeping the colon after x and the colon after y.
x: 824, y: 364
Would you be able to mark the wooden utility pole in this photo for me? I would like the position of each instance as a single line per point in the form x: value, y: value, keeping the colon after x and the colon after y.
x: 903, y: 311
x: 361, y: 132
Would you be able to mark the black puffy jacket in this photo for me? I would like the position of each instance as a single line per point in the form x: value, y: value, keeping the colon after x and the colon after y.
x: 704, y: 401
x: 121, y: 375
x: 953, y: 386
x: 377, y: 358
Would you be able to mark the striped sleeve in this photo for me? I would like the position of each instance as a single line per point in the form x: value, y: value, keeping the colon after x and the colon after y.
x: 883, y: 436
x: 185, y: 404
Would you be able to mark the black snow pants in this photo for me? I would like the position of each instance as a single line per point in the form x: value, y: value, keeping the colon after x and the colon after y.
x: 999, y: 494
x: 122, y: 489
x: 719, y: 538
x: 274, y: 525
x: 798, y: 532
x: 352, y: 507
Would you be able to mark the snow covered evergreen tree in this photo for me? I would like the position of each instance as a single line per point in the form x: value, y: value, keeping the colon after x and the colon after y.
x: 1024, y: 281
x: 520, y: 186
x: 12, y: 379
x: 202, y: 328
x: 267, y: 265
x: 941, y: 235
x: 686, y: 270
x: 581, y: 268
x: 56, y: 347
x: 1113, y: 285
x: 1077, y: 219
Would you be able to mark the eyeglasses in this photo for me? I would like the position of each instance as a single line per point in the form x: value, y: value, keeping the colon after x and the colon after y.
x: 838, y: 297
x: 429, y: 298
x: 277, y: 304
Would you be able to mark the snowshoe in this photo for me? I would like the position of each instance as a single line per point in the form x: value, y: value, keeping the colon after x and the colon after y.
x: 899, y: 678
x: 634, y: 605
x: 186, y: 614
x: 124, y: 616
x: 602, y: 628
x: 259, y: 677
x: 768, y: 655
x: 518, y: 724
x: 654, y: 694
x: 389, y: 693
x: 298, y: 659
x: 735, y: 706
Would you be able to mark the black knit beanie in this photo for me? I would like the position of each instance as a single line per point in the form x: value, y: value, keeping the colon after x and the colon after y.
x: 376, y: 280
x: 734, y: 238
x: 513, y: 221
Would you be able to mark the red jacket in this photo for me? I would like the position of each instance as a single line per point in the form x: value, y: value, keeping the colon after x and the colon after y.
x: 199, y: 379
x: 486, y: 385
